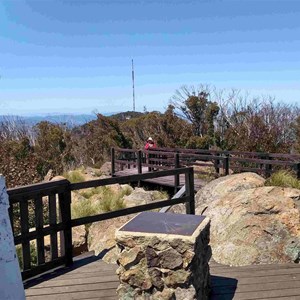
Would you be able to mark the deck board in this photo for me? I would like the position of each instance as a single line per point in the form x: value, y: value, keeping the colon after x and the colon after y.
x: 91, y: 278
x: 167, y: 181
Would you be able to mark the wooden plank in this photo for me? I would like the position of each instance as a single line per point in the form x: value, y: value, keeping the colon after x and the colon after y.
x: 280, y: 291
x: 72, y: 288
x: 64, y: 200
x: 52, y: 222
x: 127, y: 211
x: 76, y: 281
x: 28, y: 236
x: 92, y: 267
x: 163, y: 181
x: 189, y: 188
x: 24, y: 230
x: 263, y: 161
x: 259, y: 272
x: 220, y: 280
x: 34, y: 189
x: 219, y: 267
x: 260, y: 286
x: 126, y: 150
x: 42, y: 268
x: 127, y: 179
x: 100, y: 294
x: 39, y: 223
x: 106, y: 298
x: 94, y: 272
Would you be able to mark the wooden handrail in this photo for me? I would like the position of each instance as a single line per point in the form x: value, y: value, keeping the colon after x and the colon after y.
x: 62, y: 190
x: 259, y: 162
x: 20, y: 198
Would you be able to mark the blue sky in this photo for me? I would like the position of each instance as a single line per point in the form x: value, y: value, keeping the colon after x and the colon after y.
x: 74, y: 56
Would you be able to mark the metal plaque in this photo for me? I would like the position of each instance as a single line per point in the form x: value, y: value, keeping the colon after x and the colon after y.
x: 165, y: 223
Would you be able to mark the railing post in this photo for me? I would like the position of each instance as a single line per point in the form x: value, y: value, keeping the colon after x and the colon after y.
x: 112, y: 154
x: 268, y: 167
x: 64, y: 199
x: 139, y: 161
x: 217, y: 162
x: 139, y: 164
x: 297, y: 168
x: 177, y: 176
x: 190, y: 191
x: 226, y: 164
x: 149, y: 162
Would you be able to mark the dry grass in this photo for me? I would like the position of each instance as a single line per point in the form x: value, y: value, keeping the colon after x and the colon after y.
x: 283, y: 179
x: 74, y: 176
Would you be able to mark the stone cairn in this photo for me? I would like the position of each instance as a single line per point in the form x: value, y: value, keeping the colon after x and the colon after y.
x: 164, y: 266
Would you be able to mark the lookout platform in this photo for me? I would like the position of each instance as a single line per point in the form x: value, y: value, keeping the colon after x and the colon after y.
x: 91, y: 278
x: 166, y: 181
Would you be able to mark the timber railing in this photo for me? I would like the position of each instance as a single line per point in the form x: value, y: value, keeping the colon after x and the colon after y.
x: 204, y: 161
x: 44, y: 210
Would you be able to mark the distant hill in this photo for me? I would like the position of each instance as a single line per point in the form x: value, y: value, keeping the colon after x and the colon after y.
x: 70, y: 120
x: 123, y: 116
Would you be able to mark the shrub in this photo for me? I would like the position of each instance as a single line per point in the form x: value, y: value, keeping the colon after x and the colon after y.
x: 88, y: 193
x: 160, y: 195
x: 111, y: 202
x: 33, y: 255
x: 284, y: 179
x: 74, y: 176
x: 198, y: 142
x: 84, y: 208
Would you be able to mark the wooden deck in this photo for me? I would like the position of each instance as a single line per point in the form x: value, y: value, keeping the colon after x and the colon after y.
x: 91, y: 278
x: 167, y: 181
x: 88, y: 278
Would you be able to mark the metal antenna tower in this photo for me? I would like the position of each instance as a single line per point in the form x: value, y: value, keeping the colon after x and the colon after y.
x: 133, y: 95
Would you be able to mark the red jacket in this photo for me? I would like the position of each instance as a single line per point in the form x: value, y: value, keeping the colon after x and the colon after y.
x: 150, y: 145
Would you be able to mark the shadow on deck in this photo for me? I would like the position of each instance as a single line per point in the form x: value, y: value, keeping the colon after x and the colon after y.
x: 91, y: 278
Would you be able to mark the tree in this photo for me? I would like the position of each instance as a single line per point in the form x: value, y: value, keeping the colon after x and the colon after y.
x: 255, y: 124
x: 195, y: 106
x: 53, y: 147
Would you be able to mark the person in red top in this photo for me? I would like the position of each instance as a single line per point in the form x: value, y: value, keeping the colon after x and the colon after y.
x: 150, y: 144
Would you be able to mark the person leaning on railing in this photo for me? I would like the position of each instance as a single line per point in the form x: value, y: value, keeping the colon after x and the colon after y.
x: 149, y: 145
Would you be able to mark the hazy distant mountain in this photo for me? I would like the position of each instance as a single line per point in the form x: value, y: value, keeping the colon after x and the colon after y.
x: 70, y: 120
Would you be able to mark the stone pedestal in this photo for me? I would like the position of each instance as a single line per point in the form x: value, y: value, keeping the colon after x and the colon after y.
x: 164, y: 256
x: 11, y: 286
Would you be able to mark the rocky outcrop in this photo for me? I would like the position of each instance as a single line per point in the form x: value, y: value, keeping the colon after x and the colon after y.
x: 101, y: 238
x: 106, y: 169
x: 139, y: 196
x: 251, y: 225
x: 215, y: 189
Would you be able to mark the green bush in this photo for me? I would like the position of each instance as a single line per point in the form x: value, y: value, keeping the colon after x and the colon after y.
x: 74, y: 176
x: 111, y: 201
x: 84, y: 208
x: 88, y: 193
x: 33, y: 255
x: 284, y: 179
x: 198, y: 142
x: 160, y: 195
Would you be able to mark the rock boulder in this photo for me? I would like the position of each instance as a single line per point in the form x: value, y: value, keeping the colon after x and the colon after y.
x: 101, y: 238
x: 255, y: 226
x: 139, y: 196
x: 215, y: 189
